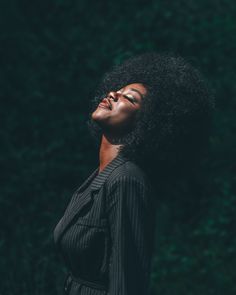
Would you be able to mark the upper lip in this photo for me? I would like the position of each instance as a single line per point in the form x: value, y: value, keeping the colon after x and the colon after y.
x: 107, y: 102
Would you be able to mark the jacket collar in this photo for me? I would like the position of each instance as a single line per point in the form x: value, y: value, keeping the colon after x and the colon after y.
x: 103, y: 175
x: 75, y: 207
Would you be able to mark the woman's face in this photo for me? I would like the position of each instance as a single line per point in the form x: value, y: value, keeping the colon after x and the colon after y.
x: 116, y: 113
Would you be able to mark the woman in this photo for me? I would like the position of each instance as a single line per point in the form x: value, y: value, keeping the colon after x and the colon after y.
x: 149, y: 114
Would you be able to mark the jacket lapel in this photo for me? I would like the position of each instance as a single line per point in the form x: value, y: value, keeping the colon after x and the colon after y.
x: 80, y: 200
x: 77, y: 202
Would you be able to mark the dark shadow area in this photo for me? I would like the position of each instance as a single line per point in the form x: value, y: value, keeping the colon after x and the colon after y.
x: 53, y: 55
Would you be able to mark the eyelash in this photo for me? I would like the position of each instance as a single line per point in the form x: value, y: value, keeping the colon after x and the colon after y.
x: 129, y: 98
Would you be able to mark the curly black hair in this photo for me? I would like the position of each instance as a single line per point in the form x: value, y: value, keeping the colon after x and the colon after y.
x: 172, y: 128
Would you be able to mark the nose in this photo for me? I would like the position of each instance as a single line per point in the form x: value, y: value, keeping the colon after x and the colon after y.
x: 113, y: 95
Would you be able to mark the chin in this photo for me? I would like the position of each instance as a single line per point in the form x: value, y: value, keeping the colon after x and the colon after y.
x: 94, y: 115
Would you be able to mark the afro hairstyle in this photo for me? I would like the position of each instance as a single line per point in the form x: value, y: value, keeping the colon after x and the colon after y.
x: 172, y: 128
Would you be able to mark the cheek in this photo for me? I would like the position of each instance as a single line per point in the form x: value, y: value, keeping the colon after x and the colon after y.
x: 124, y: 109
x: 124, y: 116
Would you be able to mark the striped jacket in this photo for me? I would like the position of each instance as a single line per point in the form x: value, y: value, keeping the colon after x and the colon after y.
x: 106, y: 235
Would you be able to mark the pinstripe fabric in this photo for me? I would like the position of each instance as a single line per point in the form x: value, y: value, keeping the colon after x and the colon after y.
x: 106, y: 233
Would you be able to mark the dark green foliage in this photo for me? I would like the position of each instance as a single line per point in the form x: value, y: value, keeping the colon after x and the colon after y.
x: 53, y: 55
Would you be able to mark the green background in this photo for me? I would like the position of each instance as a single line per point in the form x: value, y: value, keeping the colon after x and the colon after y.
x: 53, y: 54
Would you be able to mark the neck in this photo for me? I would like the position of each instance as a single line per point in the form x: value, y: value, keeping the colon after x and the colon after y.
x: 108, y: 151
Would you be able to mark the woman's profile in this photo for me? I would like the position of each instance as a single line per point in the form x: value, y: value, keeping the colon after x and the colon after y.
x: 149, y: 116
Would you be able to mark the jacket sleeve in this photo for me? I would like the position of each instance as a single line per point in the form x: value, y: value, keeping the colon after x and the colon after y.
x: 131, y: 229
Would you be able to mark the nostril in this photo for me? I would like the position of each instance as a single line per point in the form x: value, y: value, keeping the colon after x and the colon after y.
x: 111, y: 96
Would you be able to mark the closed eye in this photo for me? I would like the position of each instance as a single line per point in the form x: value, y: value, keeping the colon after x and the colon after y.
x: 129, y: 98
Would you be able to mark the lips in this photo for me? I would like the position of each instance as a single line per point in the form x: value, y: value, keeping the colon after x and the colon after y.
x: 106, y: 103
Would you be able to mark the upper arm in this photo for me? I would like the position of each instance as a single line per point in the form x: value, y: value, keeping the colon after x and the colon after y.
x: 128, y: 210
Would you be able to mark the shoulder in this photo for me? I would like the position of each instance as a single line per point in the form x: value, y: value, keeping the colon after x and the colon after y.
x: 128, y: 183
x: 126, y: 172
